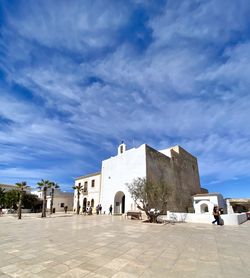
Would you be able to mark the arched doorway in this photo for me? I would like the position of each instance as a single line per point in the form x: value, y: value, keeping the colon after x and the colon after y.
x: 84, y: 204
x: 119, y: 203
x: 204, y: 208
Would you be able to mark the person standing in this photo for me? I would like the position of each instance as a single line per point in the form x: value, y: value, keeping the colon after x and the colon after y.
x: 65, y: 209
x: 97, y: 209
x: 100, y: 208
x: 110, y: 209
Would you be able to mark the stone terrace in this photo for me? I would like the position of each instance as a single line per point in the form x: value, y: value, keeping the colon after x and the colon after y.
x: 111, y: 246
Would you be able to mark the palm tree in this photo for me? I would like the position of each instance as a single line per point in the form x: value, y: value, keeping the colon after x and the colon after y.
x: 53, y: 186
x: 44, y: 185
x: 21, y: 186
x: 78, y: 189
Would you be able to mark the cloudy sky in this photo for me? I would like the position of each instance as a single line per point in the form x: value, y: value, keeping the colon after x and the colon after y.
x: 78, y: 77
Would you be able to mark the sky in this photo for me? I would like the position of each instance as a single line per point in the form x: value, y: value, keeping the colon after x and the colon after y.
x: 79, y: 77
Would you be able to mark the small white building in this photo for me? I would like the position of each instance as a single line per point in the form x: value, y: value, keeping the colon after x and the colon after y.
x: 38, y: 193
x: 205, y: 202
x: 61, y: 199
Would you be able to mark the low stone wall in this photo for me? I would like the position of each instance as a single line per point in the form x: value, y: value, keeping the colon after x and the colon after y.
x: 229, y: 219
x: 12, y: 211
x: 26, y: 210
x: 8, y: 211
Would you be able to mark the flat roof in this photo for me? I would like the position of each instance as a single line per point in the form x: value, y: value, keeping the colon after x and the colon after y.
x: 6, y: 185
x: 239, y: 200
x: 206, y: 194
x: 87, y: 176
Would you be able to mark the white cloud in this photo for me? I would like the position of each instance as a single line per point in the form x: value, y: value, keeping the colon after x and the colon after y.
x: 213, y: 22
x: 75, y: 26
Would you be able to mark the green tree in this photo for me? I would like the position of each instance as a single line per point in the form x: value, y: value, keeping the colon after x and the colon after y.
x: 150, y: 197
x: 53, y: 186
x: 11, y: 198
x: 30, y: 201
x: 78, y: 189
x: 43, y: 185
x: 2, y: 197
x: 21, y: 187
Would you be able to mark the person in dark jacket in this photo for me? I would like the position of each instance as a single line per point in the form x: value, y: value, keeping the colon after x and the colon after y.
x: 110, y: 209
x: 216, y: 214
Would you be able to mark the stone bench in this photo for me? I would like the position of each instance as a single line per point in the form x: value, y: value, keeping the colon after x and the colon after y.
x: 134, y: 215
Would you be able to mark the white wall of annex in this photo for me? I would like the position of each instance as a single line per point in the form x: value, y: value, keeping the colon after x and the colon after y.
x: 92, y: 193
x: 65, y: 198
x: 210, y: 200
x: 119, y: 170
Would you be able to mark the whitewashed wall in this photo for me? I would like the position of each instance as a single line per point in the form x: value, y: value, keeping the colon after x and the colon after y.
x: 119, y: 170
x: 93, y: 192
x: 229, y: 219
x: 210, y: 201
x: 59, y: 198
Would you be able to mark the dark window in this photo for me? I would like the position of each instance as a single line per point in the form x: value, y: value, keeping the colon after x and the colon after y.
x: 62, y: 205
x: 92, y: 203
x: 85, y: 188
x: 79, y: 184
x: 93, y: 183
x: 121, y: 149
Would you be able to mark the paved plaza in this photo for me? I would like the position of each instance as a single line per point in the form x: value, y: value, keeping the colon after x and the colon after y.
x: 112, y: 246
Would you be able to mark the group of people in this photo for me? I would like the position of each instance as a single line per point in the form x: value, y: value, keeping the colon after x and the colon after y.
x: 217, y: 213
x: 99, y: 209
x: 88, y: 210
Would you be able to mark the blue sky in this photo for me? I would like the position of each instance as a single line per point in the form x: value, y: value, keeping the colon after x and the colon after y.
x: 78, y: 77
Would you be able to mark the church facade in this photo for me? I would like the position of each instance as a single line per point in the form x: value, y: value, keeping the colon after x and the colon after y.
x: 175, y: 166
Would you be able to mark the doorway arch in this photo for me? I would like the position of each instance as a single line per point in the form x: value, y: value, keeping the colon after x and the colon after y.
x: 119, y: 203
x: 84, y: 204
x: 204, y: 208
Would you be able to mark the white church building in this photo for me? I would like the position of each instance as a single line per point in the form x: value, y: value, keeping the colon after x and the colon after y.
x: 109, y: 186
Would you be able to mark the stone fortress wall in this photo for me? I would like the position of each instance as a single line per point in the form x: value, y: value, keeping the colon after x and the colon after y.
x: 179, y: 169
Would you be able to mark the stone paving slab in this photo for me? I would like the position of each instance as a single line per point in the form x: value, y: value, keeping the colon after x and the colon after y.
x: 112, y: 246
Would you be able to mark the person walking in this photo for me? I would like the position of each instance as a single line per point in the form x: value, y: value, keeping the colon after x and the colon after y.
x: 110, y: 209
x: 216, y: 214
